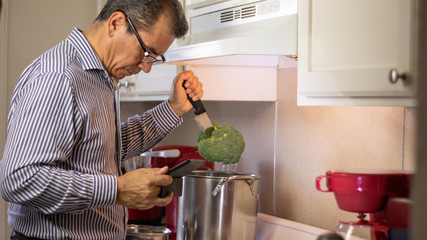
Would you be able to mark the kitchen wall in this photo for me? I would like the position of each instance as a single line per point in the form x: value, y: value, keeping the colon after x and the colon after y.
x: 289, y: 146
x: 3, y: 109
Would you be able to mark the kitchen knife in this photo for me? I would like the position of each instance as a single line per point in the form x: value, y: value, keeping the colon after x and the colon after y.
x: 201, y: 117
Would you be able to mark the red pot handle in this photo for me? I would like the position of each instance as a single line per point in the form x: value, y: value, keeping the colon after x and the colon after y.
x: 318, y: 186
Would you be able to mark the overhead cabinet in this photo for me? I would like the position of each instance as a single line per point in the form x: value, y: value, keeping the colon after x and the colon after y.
x: 231, y: 78
x: 356, y: 52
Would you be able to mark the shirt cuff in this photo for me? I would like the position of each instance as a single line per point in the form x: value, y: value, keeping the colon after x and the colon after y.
x: 104, y: 190
x: 165, y: 117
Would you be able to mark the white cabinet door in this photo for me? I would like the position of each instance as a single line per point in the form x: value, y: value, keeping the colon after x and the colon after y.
x: 348, y: 48
x: 152, y: 86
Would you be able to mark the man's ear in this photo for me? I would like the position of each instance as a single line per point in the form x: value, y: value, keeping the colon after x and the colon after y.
x: 116, y: 22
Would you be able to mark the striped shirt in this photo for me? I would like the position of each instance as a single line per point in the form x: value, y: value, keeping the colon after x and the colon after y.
x: 61, y: 157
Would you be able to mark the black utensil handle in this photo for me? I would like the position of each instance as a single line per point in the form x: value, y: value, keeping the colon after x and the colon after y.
x: 197, y: 105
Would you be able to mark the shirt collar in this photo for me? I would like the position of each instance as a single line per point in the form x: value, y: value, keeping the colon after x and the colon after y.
x: 88, y: 56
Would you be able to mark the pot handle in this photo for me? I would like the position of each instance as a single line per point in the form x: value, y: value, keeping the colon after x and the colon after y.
x: 318, y: 187
x: 169, y: 153
x: 250, y: 180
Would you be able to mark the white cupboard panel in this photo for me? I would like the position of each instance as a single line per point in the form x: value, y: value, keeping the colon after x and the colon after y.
x: 348, y: 48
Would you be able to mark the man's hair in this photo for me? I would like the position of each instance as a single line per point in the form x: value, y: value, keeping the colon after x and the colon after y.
x: 145, y: 13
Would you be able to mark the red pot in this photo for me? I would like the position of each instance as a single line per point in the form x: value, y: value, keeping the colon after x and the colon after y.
x: 365, y: 191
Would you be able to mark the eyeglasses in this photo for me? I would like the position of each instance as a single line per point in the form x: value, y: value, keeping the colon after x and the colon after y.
x: 147, y: 58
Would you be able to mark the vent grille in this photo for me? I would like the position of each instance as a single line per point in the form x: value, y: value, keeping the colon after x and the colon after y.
x: 248, y: 12
x: 239, y: 13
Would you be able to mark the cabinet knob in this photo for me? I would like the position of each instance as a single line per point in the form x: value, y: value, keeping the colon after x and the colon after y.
x: 394, y: 76
x: 126, y: 84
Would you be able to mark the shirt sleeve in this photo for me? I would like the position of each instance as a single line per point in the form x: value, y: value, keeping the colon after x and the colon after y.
x: 40, y: 138
x: 141, y: 132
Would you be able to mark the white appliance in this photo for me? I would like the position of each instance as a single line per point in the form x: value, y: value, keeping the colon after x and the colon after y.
x: 234, y: 27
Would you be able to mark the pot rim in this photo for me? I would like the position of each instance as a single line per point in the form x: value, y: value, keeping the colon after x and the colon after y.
x: 147, y: 229
x: 219, y: 174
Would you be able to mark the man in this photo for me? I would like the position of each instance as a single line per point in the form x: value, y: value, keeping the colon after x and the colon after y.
x: 61, y: 164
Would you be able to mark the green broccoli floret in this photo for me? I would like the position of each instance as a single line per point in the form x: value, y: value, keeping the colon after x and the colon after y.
x: 221, y: 144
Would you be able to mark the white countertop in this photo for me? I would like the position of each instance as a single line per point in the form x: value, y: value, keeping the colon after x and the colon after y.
x: 274, y: 228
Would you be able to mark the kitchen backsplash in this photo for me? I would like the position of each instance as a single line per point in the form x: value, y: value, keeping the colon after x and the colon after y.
x: 289, y: 146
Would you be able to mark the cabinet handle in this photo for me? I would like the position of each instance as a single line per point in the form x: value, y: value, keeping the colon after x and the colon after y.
x: 394, y: 76
x: 126, y: 84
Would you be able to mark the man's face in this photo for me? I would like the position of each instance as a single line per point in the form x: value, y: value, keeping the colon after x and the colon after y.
x: 126, y: 52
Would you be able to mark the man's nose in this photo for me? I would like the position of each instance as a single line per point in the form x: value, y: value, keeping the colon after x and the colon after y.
x: 146, y: 67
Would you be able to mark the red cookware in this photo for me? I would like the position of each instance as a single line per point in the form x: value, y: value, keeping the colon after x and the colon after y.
x: 365, y: 191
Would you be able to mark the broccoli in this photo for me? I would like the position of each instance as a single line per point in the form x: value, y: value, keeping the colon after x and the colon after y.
x: 221, y: 144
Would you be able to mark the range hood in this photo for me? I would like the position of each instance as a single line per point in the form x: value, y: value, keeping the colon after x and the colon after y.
x: 221, y: 28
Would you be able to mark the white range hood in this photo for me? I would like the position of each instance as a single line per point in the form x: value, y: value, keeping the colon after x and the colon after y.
x: 237, y: 27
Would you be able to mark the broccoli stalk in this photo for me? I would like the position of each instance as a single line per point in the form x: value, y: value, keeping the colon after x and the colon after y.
x: 221, y: 144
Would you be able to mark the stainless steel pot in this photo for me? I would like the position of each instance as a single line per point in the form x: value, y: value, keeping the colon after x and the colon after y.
x: 145, y: 232
x: 134, y: 163
x: 218, y: 206
x: 142, y: 161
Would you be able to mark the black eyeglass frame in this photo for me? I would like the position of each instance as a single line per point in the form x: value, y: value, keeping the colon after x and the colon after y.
x: 147, y: 57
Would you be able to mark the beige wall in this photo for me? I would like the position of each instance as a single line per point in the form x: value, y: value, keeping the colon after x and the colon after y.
x: 36, y: 26
x: 4, y: 228
x: 309, y: 141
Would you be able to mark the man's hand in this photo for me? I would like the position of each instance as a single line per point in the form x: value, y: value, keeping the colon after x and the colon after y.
x: 139, y: 189
x: 178, y: 98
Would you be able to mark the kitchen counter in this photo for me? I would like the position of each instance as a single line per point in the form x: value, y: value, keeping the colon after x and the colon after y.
x: 274, y: 228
